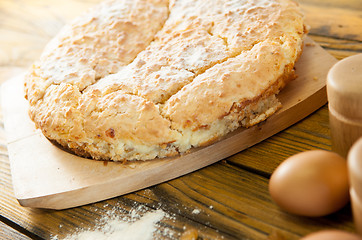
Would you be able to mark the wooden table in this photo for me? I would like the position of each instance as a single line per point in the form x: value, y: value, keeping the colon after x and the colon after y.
x: 227, y: 200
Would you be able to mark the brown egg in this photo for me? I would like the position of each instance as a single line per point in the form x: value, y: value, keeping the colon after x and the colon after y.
x: 332, y: 235
x: 312, y: 183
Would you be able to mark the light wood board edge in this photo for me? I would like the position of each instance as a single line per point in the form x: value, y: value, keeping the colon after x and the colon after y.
x: 297, y: 104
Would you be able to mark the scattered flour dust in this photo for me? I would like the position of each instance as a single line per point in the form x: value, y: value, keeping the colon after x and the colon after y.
x: 135, y: 228
x: 196, y: 211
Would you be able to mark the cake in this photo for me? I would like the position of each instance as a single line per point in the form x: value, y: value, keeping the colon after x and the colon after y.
x: 146, y: 79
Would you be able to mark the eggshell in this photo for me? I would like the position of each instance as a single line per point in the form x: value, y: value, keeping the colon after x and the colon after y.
x: 312, y: 183
x: 332, y: 235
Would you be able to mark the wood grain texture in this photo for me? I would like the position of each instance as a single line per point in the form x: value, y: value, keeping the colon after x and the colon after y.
x: 342, y: 23
x: 65, y: 180
x: 26, y: 25
x: 7, y: 232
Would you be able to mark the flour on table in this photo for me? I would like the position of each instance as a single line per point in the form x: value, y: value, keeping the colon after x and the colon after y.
x: 196, y: 211
x: 115, y: 229
x: 134, y: 228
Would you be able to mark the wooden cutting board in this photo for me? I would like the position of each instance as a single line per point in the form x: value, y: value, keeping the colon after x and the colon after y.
x: 45, y: 176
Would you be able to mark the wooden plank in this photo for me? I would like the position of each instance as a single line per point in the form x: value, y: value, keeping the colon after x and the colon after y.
x: 47, y: 223
x: 8, y: 232
x: 350, y: 4
x: 331, y: 21
x: 339, y: 48
x: 241, y: 205
x: 59, y: 186
x: 27, y: 26
x: 232, y: 200
x: 308, y: 134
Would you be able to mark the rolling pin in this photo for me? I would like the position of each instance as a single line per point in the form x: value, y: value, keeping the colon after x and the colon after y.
x: 355, y: 179
x: 344, y: 91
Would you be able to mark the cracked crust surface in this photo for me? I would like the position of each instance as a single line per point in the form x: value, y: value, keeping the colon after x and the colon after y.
x: 140, y: 79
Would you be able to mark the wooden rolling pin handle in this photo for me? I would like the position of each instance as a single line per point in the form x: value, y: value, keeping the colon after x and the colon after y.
x: 356, y: 203
x: 344, y: 91
x: 355, y: 178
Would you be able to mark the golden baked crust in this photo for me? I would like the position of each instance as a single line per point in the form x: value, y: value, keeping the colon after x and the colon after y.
x: 140, y: 79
